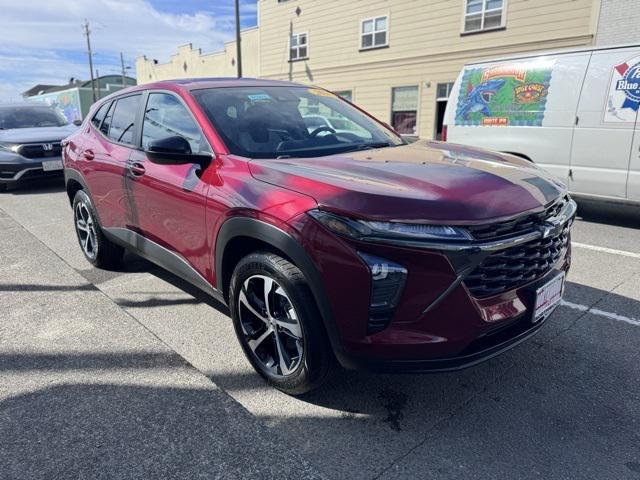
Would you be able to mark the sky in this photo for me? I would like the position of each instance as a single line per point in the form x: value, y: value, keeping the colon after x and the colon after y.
x: 43, y: 41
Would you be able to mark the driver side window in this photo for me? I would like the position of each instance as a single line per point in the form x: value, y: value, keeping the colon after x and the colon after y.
x: 165, y: 116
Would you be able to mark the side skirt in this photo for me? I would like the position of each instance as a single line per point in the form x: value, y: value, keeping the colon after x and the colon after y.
x: 162, y: 257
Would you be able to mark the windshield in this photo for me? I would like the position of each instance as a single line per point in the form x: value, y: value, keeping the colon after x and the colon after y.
x: 30, y: 116
x: 272, y: 122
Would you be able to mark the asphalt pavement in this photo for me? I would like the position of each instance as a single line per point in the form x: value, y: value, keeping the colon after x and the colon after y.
x: 135, y: 374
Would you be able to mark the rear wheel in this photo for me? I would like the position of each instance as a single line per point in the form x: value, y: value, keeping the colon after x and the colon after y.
x: 97, y: 249
x: 278, y: 324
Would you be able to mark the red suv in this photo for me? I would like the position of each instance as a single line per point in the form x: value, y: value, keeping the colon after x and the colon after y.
x: 326, y: 243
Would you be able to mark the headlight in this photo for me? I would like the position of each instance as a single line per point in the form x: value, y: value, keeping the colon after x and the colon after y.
x: 9, y: 147
x: 360, y: 229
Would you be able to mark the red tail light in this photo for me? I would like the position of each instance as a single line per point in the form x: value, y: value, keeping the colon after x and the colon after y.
x: 444, y: 133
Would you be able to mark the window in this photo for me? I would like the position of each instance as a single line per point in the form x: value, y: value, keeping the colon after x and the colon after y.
x: 298, y: 46
x: 404, y: 109
x: 374, y: 32
x: 483, y: 15
x: 100, y: 114
x: 124, y: 119
x: 346, y: 94
x: 104, y: 127
x: 443, y: 90
x: 165, y: 116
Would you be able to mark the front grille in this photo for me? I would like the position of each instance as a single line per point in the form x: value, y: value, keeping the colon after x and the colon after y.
x: 40, y: 150
x: 515, y: 266
x: 517, y: 226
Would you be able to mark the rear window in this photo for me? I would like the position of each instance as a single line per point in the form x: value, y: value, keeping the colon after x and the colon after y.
x: 123, y: 123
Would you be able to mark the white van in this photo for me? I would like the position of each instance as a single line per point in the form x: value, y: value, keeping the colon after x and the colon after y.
x: 573, y: 112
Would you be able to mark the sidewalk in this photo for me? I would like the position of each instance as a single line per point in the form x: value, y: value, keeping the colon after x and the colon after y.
x: 88, y: 392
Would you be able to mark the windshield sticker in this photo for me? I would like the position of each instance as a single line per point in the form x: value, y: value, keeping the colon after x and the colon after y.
x: 508, y: 94
x: 624, y: 92
x: 259, y: 97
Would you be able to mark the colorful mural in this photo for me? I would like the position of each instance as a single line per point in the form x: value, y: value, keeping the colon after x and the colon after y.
x: 508, y: 94
x: 67, y: 102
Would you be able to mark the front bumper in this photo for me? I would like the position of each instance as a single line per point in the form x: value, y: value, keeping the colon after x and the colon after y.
x: 508, y: 333
x: 439, y: 325
x: 26, y: 170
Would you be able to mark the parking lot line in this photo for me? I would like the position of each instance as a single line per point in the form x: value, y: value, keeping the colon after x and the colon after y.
x: 602, y: 313
x: 606, y: 250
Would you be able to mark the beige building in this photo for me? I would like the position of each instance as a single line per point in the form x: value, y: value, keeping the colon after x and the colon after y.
x: 395, y: 58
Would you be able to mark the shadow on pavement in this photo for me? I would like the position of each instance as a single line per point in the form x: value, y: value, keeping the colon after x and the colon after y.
x: 37, y: 187
x: 131, y: 432
x: 609, y: 213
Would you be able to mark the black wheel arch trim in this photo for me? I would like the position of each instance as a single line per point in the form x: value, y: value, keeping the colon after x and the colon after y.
x: 267, y: 233
x: 71, y: 174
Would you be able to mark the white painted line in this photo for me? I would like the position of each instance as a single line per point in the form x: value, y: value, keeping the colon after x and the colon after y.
x: 606, y: 250
x: 602, y: 313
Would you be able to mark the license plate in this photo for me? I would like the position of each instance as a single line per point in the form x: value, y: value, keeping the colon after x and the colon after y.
x: 52, y: 165
x: 548, y: 298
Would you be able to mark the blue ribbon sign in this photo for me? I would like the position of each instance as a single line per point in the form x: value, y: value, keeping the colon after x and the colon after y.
x: 629, y: 84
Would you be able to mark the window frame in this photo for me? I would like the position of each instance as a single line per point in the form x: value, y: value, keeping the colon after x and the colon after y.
x: 374, y: 31
x: 184, y: 104
x: 483, y: 12
x: 297, y: 47
x: 136, y: 132
x: 419, y: 95
x: 449, y: 90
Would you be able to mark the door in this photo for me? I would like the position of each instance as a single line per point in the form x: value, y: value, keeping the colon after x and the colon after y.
x: 106, y: 153
x: 606, y: 117
x: 633, y: 180
x: 168, y: 201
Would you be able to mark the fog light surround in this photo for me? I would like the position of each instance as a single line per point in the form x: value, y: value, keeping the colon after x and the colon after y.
x: 387, y: 284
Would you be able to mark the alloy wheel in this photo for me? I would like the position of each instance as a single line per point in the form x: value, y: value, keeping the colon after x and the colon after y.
x: 270, y: 325
x: 86, y: 230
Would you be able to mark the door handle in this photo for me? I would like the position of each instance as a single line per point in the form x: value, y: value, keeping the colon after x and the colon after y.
x: 137, y: 169
x: 88, y: 154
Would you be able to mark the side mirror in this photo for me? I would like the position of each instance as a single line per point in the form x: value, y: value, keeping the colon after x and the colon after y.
x: 174, y: 150
x: 77, y: 122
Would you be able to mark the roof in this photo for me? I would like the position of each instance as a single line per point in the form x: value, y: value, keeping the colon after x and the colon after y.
x: 42, y: 89
x: 37, y: 89
x: 220, y: 82
x: 25, y: 103
x: 552, y: 52
x: 201, y: 83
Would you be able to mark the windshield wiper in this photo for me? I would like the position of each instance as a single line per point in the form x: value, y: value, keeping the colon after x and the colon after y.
x: 366, y: 146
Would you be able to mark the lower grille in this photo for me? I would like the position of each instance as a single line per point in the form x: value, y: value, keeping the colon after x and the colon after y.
x: 513, y: 267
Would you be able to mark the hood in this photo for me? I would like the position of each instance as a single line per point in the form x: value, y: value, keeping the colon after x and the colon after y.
x: 433, y: 182
x: 39, y: 134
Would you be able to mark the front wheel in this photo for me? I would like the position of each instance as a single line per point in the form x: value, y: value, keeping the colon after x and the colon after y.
x: 278, y: 324
x: 97, y: 249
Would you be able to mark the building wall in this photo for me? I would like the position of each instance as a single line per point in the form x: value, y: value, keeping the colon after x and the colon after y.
x: 191, y: 62
x: 426, y: 46
x: 619, y: 22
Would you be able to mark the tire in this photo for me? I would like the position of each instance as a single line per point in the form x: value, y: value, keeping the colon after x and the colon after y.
x: 3, y: 187
x: 290, y: 302
x: 97, y: 249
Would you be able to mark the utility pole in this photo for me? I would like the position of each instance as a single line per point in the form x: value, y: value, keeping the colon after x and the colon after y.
x: 238, y: 48
x: 98, y: 78
x: 87, y: 33
x: 124, y: 84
